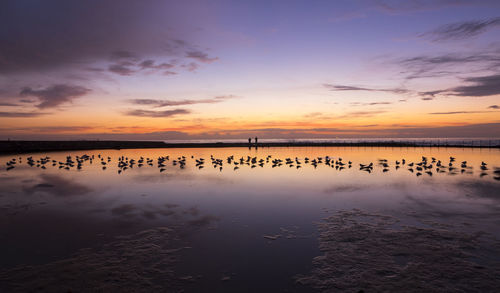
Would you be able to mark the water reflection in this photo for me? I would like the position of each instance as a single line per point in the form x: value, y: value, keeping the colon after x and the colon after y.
x: 56, y: 185
x: 424, y: 165
x: 253, y: 223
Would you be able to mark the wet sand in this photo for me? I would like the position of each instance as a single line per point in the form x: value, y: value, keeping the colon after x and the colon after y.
x: 376, y: 253
x: 142, y: 262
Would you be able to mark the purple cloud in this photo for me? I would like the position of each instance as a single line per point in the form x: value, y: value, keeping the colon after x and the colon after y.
x: 150, y: 64
x: 121, y: 68
x: 21, y: 114
x: 458, y: 112
x: 123, y: 54
x: 170, y: 103
x: 334, y: 87
x: 157, y: 114
x: 200, y: 56
x: 481, y: 86
x: 191, y: 66
x: 3, y: 104
x: 55, y: 95
x: 462, y: 30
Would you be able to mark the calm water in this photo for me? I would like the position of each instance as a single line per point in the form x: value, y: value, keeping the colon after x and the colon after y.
x: 253, y: 228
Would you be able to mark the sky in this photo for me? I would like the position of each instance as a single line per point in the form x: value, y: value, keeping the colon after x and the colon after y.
x: 180, y: 70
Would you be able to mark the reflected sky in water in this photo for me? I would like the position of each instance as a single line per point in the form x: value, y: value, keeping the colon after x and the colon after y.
x: 235, y: 220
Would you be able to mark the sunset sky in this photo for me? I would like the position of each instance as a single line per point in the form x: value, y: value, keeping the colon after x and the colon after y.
x: 165, y: 70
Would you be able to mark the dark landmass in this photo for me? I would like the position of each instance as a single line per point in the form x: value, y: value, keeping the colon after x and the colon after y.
x: 23, y: 146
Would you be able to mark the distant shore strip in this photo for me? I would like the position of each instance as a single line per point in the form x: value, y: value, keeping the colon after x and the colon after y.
x: 18, y: 146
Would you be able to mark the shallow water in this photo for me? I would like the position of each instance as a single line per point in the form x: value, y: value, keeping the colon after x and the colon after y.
x: 253, y: 228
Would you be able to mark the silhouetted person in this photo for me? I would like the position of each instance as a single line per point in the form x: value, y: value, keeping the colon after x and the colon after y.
x: 250, y: 140
x: 256, y: 140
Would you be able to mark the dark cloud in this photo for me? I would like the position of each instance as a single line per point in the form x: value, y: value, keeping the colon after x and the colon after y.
x: 122, y: 68
x: 333, y: 87
x: 157, y: 114
x: 127, y: 63
x: 314, y: 115
x: 122, y: 54
x: 370, y: 103
x: 86, y: 39
x: 458, y: 112
x: 429, y: 95
x: 152, y: 102
x: 358, y: 114
x: 378, y: 103
x: 201, y: 56
x: 462, y: 30
x: 36, y: 36
x: 147, y: 64
x: 448, y: 64
x: 167, y: 72
x: 191, y: 66
x: 150, y: 64
x: 347, y: 16
x: 482, y: 86
x: 55, y: 95
x: 170, y: 103
x: 5, y: 104
x: 346, y: 88
x: 21, y: 114
x: 112, y: 134
x: 494, y: 107
x: 128, y: 67
x: 54, y: 129
x: 450, y: 59
x: 398, y: 7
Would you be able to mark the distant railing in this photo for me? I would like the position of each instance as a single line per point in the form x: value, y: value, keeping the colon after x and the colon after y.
x: 44, y: 146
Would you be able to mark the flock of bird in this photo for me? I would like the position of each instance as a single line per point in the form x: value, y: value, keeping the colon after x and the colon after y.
x: 424, y: 166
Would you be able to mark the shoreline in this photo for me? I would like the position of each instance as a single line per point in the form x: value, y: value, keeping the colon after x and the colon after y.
x: 19, y: 147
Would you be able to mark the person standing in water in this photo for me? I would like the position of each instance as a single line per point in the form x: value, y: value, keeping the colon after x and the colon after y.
x: 256, y: 140
x: 249, y: 140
